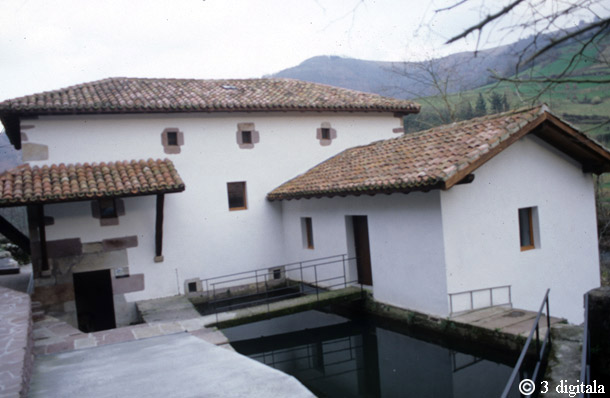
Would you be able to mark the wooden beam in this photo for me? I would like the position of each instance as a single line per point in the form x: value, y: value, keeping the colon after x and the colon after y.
x: 466, y: 180
x: 14, y: 235
x: 159, y: 229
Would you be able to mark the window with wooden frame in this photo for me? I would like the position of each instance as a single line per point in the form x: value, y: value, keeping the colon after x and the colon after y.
x: 528, y: 228
x: 237, y: 195
x: 108, y: 208
x: 326, y: 134
x: 307, y: 232
x: 246, y: 135
x: 172, y: 139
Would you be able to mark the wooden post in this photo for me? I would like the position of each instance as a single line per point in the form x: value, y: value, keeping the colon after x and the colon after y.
x: 159, y: 229
x: 42, y: 234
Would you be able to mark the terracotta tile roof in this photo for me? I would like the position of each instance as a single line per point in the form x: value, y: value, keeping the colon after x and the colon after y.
x: 431, y: 159
x: 121, y: 94
x: 66, y: 183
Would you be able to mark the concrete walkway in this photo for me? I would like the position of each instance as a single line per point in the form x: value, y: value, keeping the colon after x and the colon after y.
x: 177, y: 366
x: 505, y: 319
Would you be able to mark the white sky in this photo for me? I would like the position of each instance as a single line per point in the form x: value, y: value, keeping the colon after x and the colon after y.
x: 49, y: 44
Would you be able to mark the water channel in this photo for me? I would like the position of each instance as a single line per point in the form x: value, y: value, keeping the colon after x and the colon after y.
x: 336, y: 356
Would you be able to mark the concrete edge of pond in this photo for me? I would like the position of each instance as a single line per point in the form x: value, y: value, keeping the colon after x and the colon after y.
x: 447, y: 327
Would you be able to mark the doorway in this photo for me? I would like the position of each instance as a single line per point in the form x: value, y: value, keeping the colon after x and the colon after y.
x: 362, y: 248
x: 94, y: 301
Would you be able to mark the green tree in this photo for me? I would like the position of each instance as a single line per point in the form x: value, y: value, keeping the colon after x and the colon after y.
x: 466, y: 111
x: 505, y: 106
x: 480, y: 109
x: 495, y: 100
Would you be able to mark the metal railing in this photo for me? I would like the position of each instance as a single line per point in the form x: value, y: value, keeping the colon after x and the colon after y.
x: 540, y: 350
x: 279, y: 282
x: 472, y: 292
x: 585, y: 369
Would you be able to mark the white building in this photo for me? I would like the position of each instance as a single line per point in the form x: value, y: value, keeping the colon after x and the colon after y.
x: 130, y: 230
x: 501, y: 206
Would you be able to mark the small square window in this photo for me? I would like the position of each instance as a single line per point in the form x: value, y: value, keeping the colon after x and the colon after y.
x: 237, y: 195
x: 325, y: 132
x: 172, y: 138
x: 528, y: 228
x: 107, y: 208
x: 277, y: 274
x: 307, y: 232
x: 192, y: 287
x: 246, y: 137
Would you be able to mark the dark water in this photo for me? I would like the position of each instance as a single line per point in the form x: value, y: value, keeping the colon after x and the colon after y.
x: 335, y: 356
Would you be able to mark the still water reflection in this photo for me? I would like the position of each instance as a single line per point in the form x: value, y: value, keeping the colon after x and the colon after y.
x: 339, y: 357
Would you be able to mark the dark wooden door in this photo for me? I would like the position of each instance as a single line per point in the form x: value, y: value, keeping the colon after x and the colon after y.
x: 363, y: 253
x: 94, y: 301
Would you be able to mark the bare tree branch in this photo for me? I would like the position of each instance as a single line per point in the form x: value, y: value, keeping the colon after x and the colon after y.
x: 459, y: 3
x: 603, y: 24
x: 484, y: 22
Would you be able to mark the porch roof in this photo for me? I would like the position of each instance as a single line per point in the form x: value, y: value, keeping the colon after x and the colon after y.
x: 440, y: 157
x: 57, y: 183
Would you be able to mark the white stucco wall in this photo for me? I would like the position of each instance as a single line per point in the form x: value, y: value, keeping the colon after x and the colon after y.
x: 481, y: 229
x: 406, y: 243
x: 202, y: 238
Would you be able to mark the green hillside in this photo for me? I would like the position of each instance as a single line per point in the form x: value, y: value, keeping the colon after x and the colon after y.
x: 586, y: 104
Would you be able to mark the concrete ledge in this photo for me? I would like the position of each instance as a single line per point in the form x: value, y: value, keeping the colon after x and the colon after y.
x: 283, y: 307
x: 446, y: 327
x: 16, y: 343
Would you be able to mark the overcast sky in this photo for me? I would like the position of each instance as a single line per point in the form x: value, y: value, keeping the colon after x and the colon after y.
x: 49, y: 44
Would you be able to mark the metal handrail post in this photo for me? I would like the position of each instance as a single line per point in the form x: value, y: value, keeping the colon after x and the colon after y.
x: 267, y: 295
x: 548, y: 317
x: 344, y: 274
x: 214, y: 301
x: 519, y: 363
x: 491, y: 297
x: 315, y: 272
x: 302, y: 281
x: 471, y: 301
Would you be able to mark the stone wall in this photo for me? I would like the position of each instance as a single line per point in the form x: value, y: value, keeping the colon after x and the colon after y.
x: 16, y: 343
